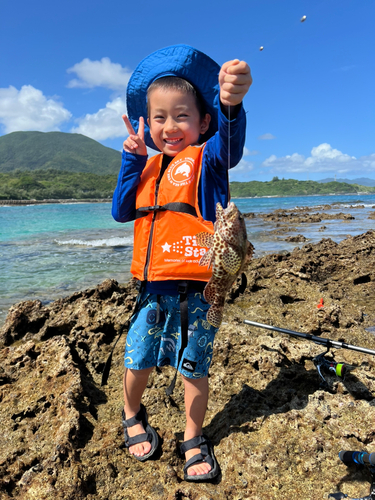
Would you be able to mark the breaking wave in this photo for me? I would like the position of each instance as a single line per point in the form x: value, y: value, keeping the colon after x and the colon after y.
x: 105, y: 242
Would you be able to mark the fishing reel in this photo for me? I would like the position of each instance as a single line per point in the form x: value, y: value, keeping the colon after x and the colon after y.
x: 329, y: 366
x: 357, y: 458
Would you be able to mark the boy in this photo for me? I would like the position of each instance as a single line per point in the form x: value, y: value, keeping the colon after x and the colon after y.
x: 182, y: 104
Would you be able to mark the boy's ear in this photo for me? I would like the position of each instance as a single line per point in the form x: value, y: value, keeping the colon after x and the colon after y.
x: 205, y: 123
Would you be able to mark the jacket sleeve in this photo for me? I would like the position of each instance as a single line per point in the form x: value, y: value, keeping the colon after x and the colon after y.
x: 218, y: 146
x: 214, y: 184
x: 123, y: 201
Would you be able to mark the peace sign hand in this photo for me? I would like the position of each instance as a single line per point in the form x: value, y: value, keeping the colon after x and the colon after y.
x: 135, y: 143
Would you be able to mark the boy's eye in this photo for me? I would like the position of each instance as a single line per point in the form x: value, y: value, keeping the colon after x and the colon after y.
x: 182, y: 115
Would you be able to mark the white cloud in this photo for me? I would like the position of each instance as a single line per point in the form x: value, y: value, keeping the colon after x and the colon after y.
x: 103, y: 73
x: 266, y: 137
x: 241, y: 172
x: 247, y: 152
x: 323, y: 158
x: 29, y: 109
x: 105, y: 124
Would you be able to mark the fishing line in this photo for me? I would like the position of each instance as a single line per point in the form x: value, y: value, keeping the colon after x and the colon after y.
x: 228, y: 138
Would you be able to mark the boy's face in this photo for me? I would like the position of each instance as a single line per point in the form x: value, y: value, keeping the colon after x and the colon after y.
x: 174, y: 120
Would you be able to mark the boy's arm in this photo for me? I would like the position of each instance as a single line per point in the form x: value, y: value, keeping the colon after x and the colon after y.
x: 123, y: 201
x: 235, y: 80
x: 217, y: 148
x: 134, y: 159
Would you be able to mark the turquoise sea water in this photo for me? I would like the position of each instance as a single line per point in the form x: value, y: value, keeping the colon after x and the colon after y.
x: 49, y: 251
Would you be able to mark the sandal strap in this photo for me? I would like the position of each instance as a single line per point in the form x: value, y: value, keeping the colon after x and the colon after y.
x: 141, y: 438
x: 199, y: 458
x: 195, y: 442
x: 137, y: 419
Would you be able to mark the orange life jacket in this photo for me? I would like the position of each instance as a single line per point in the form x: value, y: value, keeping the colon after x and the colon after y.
x: 167, y: 220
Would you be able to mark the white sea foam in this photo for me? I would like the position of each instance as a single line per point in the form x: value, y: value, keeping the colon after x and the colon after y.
x: 105, y: 242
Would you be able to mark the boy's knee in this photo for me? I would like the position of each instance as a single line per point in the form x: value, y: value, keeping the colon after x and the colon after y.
x: 194, y: 381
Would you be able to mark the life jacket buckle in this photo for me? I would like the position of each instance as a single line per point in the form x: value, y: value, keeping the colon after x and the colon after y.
x: 183, y: 287
x: 151, y: 208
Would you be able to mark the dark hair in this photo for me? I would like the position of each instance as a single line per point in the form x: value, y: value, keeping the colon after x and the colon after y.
x: 177, y: 83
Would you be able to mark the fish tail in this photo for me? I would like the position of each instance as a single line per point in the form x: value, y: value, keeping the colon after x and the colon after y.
x: 215, y: 315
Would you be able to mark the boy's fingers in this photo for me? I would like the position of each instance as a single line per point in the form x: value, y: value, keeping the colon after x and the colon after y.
x: 227, y: 64
x: 128, y: 125
x: 240, y: 67
x: 241, y: 79
x: 141, y: 128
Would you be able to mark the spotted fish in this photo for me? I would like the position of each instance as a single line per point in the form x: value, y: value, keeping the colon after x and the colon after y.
x: 229, y: 253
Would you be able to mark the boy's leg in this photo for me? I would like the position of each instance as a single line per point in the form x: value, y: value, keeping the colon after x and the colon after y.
x: 196, y: 398
x: 135, y: 382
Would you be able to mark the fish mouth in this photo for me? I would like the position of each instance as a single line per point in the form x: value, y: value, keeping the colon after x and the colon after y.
x: 231, y: 210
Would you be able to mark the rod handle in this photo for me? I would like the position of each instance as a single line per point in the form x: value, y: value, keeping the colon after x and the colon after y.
x: 357, y: 457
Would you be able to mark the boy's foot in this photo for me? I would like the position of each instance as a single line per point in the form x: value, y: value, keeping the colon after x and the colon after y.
x: 200, y: 468
x: 140, y: 438
x: 141, y: 449
x: 201, y: 463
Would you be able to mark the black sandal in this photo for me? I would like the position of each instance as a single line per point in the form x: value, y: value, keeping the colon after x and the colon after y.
x: 150, y: 435
x: 206, y: 455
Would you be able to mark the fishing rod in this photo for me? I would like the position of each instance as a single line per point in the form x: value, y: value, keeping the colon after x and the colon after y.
x: 357, y: 458
x: 322, y: 363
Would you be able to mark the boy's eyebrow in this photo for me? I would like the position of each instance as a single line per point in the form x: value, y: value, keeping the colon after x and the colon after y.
x: 179, y: 106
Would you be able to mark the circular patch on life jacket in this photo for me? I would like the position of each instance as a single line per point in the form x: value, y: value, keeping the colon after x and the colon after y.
x: 181, y: 173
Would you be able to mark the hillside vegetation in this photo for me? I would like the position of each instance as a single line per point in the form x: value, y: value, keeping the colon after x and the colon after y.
x: 55, y: 184
x: 292, y: 187
x: 56, y: 150
x: 58, y: 165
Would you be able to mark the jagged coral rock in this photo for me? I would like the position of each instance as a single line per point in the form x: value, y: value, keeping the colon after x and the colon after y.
x: 276, y: 433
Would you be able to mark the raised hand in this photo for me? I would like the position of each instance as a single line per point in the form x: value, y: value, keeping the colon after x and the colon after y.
x: 135, y: 143
x: 235, y: 80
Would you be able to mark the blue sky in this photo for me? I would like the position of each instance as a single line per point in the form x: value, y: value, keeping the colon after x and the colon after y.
x: 311, y: 109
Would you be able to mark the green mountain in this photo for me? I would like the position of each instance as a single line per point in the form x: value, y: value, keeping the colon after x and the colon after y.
x: 56, y: 150
x: 53, y: 184
x: 292, y: 187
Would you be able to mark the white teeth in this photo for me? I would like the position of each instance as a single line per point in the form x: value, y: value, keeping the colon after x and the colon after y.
x: 172, y: 141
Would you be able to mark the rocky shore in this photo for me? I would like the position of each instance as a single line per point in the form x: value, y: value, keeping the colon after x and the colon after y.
x: 276, y: 432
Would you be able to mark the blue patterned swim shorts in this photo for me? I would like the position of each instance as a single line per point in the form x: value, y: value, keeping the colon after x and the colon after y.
x: 151, y: 344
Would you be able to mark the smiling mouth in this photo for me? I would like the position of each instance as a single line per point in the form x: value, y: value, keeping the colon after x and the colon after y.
x: 172, y: 142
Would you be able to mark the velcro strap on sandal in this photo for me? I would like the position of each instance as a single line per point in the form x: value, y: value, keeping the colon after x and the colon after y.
x: 137, y: 419
x: 199, y: 458
x: 195, y: 442
x: 138, y: 439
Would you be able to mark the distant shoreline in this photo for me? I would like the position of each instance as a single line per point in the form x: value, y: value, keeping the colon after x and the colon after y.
x: 109, y: 200
x: 60, y: 201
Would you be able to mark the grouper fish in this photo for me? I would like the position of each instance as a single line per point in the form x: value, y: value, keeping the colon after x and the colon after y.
x: 229, y: 254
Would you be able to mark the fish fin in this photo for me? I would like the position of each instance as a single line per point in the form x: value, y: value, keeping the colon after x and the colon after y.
x: 205, y: 239
x: 209, y: 292
x: 215, y: 316
x: 219, y: 212
x: 231, y: 260
x: 249, y: 250
x: 206, y: 259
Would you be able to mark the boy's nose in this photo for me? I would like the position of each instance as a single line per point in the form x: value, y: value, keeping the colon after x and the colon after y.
x: 170, y: 125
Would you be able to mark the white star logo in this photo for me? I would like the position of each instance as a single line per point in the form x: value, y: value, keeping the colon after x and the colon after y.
x: 166, y: 247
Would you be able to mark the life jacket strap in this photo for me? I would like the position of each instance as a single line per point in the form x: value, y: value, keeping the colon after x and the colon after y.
x: 174, y: 206
x: 183, y: 288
